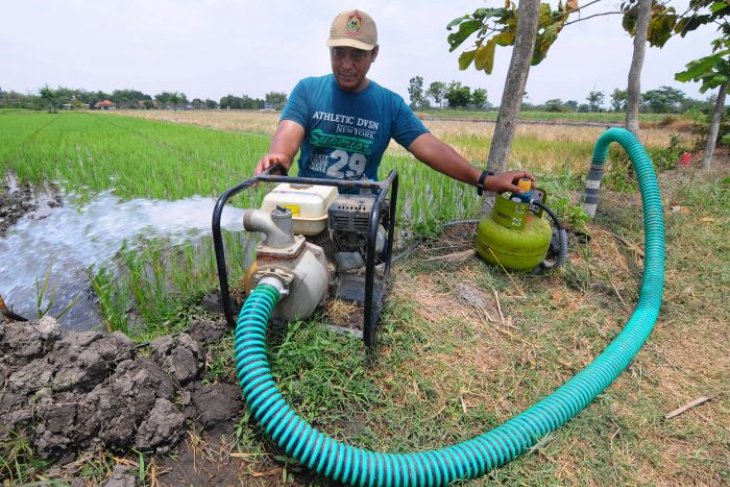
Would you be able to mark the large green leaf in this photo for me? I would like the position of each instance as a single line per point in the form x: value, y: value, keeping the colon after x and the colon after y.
x: 486, y: 13
x: 505, y: 38
x: 711, y: 71
x: 697, y: 68
x: 717, y: 7
x: 466, y: 58
x: 484, y: 58
x: 628, y: 22
x: 712, y: 82
x: 688, y: 24
x: 543, y: 42
x: 457, y: 21
x: 661, y: 26
x: 545, y: 15
x: 466, y: 28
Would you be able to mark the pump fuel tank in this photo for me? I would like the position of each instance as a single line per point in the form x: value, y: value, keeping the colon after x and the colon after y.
x: 513, y: 236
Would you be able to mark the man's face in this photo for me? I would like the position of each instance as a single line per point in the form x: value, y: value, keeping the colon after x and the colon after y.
x: 350, y: 66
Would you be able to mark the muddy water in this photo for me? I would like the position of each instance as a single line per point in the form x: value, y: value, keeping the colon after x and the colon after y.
x: 64, y: 245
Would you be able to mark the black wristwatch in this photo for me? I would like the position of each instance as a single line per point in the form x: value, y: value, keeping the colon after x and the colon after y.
x: 482, y: 180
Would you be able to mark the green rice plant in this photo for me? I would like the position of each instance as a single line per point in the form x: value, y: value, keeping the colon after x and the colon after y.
x: 88, y: 152
x: 46, y: 298
x: 113, y: 300
x: 146, y: 279
x: 44, y: 302
x: 427, y: 196
x: 159, y: 283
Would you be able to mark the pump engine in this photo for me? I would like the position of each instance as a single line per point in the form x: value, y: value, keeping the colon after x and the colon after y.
x: 312, y: 221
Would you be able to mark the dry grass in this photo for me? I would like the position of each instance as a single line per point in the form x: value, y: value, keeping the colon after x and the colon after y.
x: 266, y: 122
x: 536, y: 145
x: 230, y: 120
x: 651, y: 136
x: 552, y: 327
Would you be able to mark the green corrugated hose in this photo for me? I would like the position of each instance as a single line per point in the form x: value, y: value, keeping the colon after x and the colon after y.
x: 472, y: 458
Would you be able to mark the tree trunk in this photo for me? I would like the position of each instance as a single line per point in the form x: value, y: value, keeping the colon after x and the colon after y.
x: 637, y: 62
x: 714, y: 128
x: 514, y: 88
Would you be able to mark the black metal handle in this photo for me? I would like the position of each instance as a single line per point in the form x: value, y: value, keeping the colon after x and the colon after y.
x: 370, y: 319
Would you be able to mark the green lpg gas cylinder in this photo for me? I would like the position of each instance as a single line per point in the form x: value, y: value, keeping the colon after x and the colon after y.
x: 512, y: 236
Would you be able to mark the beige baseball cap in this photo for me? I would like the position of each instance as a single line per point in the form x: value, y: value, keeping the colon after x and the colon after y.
x: 353, y: 28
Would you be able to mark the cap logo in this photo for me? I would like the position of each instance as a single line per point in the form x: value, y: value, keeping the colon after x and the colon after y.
x: 354, y: 26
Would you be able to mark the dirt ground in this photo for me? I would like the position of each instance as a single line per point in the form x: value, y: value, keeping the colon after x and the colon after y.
x: 17, y: 201
x: 73, y: 392
x: 15, y: 204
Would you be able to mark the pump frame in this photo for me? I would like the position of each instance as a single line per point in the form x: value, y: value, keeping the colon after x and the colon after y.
x: 389, y: 186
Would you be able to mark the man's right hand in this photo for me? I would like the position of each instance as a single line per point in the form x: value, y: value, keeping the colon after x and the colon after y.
x: 270, y: 160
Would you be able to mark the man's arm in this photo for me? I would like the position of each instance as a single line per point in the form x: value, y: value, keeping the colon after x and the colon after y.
x: 284, y: 146
x: 444, y: 159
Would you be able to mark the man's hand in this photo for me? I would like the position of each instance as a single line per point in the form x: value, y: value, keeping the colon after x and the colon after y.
x: 271, y: 159
x: 506, y: 181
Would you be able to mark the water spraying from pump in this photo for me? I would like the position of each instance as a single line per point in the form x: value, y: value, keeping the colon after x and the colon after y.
x: 71, y: 242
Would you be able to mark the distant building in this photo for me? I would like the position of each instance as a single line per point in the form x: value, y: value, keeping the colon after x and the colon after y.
x: 104, y: 105
x: 75, y: 104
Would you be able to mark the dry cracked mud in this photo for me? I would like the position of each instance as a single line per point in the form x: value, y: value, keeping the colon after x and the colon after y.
x: 73, y: 391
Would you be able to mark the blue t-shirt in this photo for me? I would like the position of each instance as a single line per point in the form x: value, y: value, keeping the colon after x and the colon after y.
x: 346, y: 133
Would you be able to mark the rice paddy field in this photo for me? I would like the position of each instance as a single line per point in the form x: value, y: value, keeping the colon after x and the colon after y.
x: 465, y: 346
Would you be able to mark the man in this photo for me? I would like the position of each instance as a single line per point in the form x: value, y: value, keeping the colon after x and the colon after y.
x: 343, y: 122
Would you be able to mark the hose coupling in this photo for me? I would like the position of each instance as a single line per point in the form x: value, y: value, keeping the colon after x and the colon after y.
x: 276, y: 277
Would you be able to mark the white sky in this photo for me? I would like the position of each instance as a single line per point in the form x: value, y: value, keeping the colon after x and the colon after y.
x: 210, y: 48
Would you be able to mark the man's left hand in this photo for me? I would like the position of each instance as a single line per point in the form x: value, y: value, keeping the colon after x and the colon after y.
x: 506, y: 181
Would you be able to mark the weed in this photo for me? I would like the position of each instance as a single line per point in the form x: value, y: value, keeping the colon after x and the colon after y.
x: 146, y: 470
x: 18, y: 462
x: 571, y: 214
x: 248, y: 437
x: 667, y: 158
x: 620, y: 174
x: 706, y: 197
x: 319, y: 370
x: 220, y: 364
x: 93, y: 466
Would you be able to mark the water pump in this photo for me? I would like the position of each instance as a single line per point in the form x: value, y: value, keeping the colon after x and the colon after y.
x: 299, y: 266
x: 322, y: 239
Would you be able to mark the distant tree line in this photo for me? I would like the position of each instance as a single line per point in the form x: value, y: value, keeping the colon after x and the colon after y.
x: 70, y: 98
x: 455, y: 94
x: 664, y: 99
